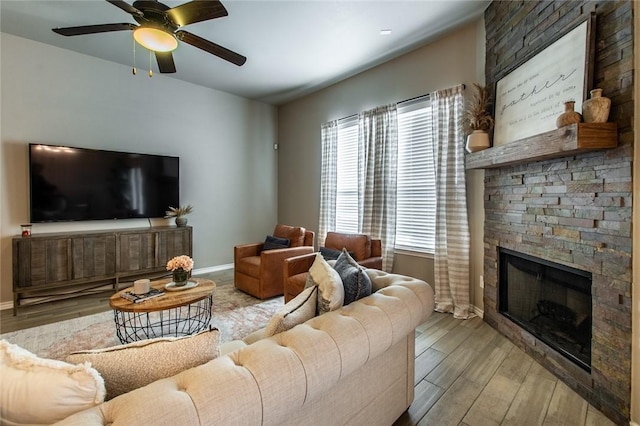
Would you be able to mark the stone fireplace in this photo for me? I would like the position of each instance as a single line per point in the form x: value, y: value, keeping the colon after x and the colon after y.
x: 573, y: 212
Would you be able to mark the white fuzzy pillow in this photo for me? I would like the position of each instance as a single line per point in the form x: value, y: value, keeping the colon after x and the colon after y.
x: 131, y: 366
x: 39, y: 391
x: 331, y: 290
x: 298, y: 310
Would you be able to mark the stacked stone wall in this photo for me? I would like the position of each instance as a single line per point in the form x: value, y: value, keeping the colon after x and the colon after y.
x: 575, y: 210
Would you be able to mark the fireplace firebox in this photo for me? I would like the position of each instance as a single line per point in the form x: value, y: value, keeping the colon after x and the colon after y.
x: 550, y: 301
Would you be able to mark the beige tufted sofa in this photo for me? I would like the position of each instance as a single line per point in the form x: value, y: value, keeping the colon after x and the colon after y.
x: 350, y: 366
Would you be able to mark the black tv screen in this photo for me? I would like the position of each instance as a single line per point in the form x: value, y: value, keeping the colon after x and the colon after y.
x: 73, y: 184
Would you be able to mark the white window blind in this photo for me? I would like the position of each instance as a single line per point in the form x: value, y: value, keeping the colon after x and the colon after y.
x: 347, y: 190
x: 416, y: 199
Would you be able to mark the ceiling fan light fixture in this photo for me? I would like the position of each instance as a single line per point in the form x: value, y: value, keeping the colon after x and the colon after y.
x: 155, y: 39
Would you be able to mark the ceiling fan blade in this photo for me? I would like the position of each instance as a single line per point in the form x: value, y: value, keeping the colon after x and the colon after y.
x: 126, y: 7
x: 196, y: 11
x: 93, y: 29
x: 165, y: 62
x: 210, y: 47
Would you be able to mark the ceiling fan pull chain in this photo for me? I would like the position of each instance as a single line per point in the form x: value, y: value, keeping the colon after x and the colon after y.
x: 134, y: 57
x: 150, y: 70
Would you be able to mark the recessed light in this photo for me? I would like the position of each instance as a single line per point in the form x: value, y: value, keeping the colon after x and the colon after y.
x: 385, y: 32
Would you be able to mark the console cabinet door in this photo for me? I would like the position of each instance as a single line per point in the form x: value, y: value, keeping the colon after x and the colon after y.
x: 137, y: 251
x: 94, y: 256
x: 41, y: 262
x: 173, y: 242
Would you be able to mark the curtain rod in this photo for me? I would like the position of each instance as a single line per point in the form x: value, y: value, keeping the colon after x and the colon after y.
x: 399, y: 102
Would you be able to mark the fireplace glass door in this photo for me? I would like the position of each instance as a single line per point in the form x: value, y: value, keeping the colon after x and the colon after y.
x: 550, y: 301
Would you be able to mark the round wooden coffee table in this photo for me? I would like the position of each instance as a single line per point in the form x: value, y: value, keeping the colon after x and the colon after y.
x: 175, y: 313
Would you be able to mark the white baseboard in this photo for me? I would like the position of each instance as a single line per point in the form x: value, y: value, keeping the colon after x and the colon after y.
x: 211, y: 269
x: 208, y: 270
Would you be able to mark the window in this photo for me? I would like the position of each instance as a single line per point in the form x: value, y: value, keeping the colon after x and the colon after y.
x: 416, y: 203
x: 416, y: 197
x: 347, y: 196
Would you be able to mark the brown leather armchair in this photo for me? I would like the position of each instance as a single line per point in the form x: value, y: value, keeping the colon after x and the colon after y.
x: 366, y: 251
x: 258, y: 272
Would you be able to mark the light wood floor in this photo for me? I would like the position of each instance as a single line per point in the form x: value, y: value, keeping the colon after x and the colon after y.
x: 466, y: 373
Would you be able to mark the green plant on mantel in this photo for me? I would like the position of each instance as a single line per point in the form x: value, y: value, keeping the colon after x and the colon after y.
x: 179, y: 211
x: 476, y: 115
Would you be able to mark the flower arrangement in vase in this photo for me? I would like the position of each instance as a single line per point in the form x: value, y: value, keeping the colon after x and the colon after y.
x: 477, y: 120
x: 179, y: 213
x: 180, y: 266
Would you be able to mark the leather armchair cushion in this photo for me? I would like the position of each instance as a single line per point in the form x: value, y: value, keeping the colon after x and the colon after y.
x: 249, y: 265
x: 295, y: 234
x: 358, y: 244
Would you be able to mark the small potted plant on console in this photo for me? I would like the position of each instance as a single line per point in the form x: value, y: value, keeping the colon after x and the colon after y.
x: 179, y: 213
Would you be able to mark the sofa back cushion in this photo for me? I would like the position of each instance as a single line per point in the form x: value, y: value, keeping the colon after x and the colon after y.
x: 358, y: 244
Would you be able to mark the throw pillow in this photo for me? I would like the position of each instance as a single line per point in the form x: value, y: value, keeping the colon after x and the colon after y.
x: 330, y: 288
x: 36, y: 390
x: 272, y: 243
x: 128, y: 367
x: 356, y: 282
x: 298, y: 310
x: 331, y: 254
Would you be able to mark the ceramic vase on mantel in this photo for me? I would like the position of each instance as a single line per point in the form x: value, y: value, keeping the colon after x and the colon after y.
x: 569, y: 116
x: 181, y: 221
x: 596, y: 109
x: 477, y: 141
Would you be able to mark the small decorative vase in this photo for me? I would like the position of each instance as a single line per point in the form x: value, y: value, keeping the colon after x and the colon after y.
x: 180, y: 277
x: 477, y: 141
x: 569, y: 116
x: 181, y: 221
x: 596, y: 109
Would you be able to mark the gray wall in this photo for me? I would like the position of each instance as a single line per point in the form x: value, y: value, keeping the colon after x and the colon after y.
x: 225, y: 143
x: 457, y: 57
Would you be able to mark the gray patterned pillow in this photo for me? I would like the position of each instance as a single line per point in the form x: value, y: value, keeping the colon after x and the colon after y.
x: 356, y: 282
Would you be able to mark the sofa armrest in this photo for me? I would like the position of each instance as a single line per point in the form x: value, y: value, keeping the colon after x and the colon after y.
x: 246, y: 250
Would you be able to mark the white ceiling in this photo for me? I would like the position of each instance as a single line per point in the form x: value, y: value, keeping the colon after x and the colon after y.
x: 293, y: 47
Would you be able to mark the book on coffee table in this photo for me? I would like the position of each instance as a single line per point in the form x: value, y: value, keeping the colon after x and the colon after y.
x: 137, y: 298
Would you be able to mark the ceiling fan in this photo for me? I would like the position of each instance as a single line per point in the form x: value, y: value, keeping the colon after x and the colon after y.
x: 159, y: 28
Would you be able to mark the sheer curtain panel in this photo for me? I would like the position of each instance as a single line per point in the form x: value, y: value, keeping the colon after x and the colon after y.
x: 328, y: 180
x: 377, y: 167
x: 452, y: 227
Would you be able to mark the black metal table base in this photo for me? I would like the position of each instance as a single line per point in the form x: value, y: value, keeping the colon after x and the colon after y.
x: 174, y: 322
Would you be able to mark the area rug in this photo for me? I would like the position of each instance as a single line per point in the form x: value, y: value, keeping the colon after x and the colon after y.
x: 235, y: 314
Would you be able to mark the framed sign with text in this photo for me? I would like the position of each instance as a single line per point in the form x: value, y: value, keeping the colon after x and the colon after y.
x: 530, y: 98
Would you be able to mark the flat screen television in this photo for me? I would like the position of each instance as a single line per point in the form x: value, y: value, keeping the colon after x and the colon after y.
x: 75, y: 184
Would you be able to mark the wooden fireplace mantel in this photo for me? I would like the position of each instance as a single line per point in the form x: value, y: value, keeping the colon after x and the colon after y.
x: 566, y: 141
